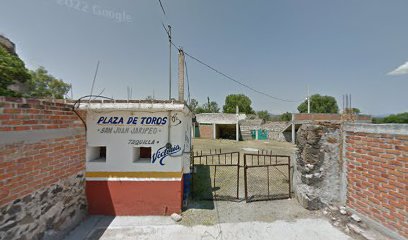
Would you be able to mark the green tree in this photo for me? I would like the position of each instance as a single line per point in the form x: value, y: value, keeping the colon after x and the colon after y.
x: 352, y: 110
x: 320, y: 104
x: 193, y: 105
x: 209, y: 107
x: 356, y: 110
x: 286, y: 117
x: 44, y: 85
x: 240, y: 100
x: 393, y: 118
x: 264, y: 115
x: 12, y: 70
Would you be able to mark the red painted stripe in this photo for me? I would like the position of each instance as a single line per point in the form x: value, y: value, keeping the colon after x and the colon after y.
x: 129, y: 198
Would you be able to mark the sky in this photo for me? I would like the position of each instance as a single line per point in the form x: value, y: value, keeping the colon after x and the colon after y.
x: 278, y: 47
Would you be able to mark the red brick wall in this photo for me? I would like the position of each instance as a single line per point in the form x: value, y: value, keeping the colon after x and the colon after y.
x: 378, y: 178
x: 26, y: 166
x: 206, y: 131
x: 326, y: 117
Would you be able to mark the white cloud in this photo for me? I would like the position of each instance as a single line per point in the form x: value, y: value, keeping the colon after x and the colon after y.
x: 403, y: 69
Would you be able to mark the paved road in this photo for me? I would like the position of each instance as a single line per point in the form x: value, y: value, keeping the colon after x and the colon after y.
x: 146, y: 228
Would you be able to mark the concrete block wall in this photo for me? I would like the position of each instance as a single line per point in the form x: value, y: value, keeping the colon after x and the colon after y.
x: 376, y: 157
x: 42, y: 163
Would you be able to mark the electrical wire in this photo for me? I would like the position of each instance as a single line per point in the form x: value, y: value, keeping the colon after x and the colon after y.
x: 218, y: 71
x: 161, y: 5
x: 79, y: 102
x: 233, y: 79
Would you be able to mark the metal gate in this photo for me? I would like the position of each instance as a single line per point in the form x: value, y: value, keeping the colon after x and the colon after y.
x: 266, y: 177
x: 216, y: 176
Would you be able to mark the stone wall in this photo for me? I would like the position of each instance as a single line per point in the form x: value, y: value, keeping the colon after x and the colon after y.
x: 42, y: 152
x: 317, y: 172
x: 275, y: 129
x: 48, y: 213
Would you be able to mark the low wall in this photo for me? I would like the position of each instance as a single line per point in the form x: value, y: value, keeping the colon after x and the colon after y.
x: 361, y: 166
x: 377, y: 173
x: 275, y: 129
x: 42, y: 151
x: 328, y: 117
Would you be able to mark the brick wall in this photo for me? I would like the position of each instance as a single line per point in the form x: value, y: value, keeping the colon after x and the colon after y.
x: 206, y: 131
x: 377, y: 174
x: 327, y: 117
x: 42, y: 145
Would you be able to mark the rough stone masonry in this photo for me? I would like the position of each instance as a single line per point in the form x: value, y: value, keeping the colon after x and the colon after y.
x: 47, y: 213
x: 317, y: 171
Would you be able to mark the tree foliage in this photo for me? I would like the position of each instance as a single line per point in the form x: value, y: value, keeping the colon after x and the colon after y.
x: 12, y: 70
x: 286, y: 117
x: 240, y: 100
x: 193, y: 105
x: 264, y: 115
x: 393, y: 118
x: 208, y: 107
x: 33, y: 84
x: 44, y: 85
x: 320, y: 104
x: 352, y: 110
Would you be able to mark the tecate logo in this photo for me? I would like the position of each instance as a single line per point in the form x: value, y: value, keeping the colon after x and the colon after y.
x: 163, y: 152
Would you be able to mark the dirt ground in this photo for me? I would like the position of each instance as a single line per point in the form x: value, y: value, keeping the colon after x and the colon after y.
x: 204, y: 145
x: 202, y: 212
x: 214, y: 212
x: 221, y: 182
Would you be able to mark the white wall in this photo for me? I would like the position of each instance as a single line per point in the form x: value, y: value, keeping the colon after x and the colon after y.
x: 120, y: 137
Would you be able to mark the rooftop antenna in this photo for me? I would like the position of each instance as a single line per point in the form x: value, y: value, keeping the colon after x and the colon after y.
x: 93, y: 82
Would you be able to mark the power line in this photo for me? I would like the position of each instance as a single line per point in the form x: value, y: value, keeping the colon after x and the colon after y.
x: 234, y: 80
x: 168, y: 31
x: 161, y: 5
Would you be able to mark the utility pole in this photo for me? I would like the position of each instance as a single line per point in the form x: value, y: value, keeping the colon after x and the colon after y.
x: 308, y: 100
x: 169, y: 35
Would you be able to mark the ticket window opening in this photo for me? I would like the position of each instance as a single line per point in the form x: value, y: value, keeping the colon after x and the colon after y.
x: 96, y: 154
x: 142, y: 154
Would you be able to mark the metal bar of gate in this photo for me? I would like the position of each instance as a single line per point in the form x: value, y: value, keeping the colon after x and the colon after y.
x: 245, y: 179
x: 276, y: 164
x: 209, y: 161
x: 267, y: 170
x: 215, y: 176
x: 290, y: 182
x: 238, y: 176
